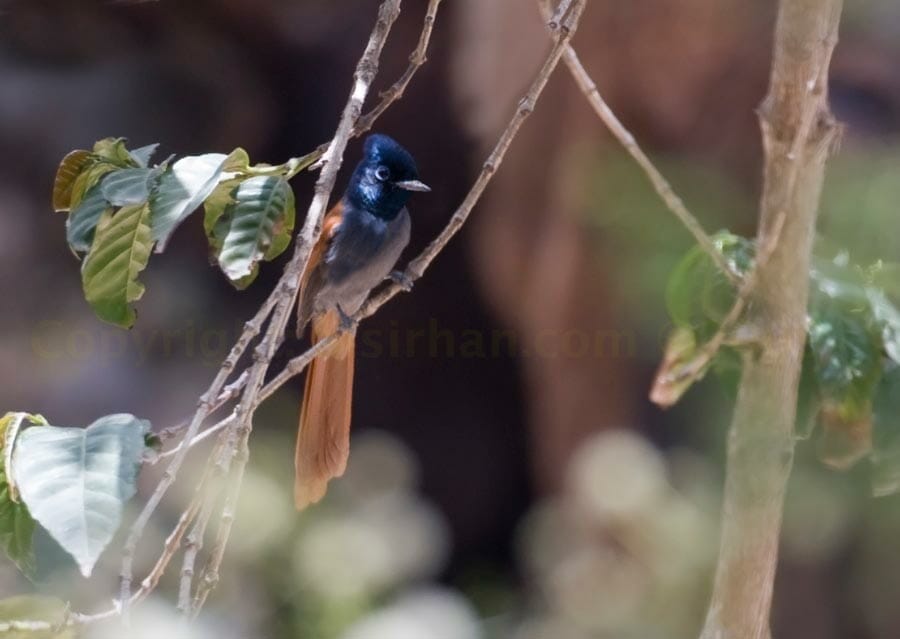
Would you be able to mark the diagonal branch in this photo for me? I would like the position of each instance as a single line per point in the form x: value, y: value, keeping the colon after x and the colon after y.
x: 662, y: 187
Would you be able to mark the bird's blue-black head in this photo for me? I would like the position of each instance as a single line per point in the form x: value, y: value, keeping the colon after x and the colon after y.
x: 384, y: 179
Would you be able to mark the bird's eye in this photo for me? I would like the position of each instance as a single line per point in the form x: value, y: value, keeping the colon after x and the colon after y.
x: 382, y: 173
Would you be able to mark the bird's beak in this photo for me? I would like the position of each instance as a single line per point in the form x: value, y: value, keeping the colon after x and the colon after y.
x: 412, y: 185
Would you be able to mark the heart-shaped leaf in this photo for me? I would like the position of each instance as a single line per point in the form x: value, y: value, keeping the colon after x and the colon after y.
x: 260, y: 217
x: 182, y: 189
x: 75, y: 481
x: 120, y: 251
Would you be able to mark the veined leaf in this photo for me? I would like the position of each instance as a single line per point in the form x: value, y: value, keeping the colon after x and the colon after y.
x: 181, y: 189
x: 69, y: 169
x: 141, y: 156
x: 215, y: 224
x: 75, y: 481
x: 261, y: 211
x: 120, y: 251
x: 84, y: 219
x: 90, y: 175
x: 698, y: 295
x: 16, y: 525
x: 846, y: 355
x: 113, y: 150
x: 127, y: 186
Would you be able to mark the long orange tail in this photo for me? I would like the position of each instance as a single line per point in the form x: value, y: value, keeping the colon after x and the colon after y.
x: 323, y: 442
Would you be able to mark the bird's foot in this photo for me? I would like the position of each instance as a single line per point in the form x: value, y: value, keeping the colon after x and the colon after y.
x: 345, y: 322
x: 401, y: 279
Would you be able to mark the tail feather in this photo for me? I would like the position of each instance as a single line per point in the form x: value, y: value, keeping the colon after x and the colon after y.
x: 323, y: 443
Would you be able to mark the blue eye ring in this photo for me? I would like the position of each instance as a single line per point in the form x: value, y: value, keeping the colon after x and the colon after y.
x: 382, y: 174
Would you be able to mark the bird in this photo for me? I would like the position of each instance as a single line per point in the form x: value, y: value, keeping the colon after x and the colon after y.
x: 362, y: 238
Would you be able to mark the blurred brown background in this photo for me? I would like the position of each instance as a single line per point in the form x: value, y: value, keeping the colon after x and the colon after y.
x: 569, y: 247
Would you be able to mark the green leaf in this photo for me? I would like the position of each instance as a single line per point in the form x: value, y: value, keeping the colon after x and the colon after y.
x: 38, y: 608
x: 75, y: 481
x: 141, y: 156
x: 113, y: 150
x: 16, y: 530
x: 91, y: 175
x: 83, y: 219
x: 69, y: 169
x: 181, y: 189
x: 846, y: 356
x: 127, y: 186
x: 215, y: 226
x: 262, y: 211
x: 698, y: 294
x: 16, y: 525
x: 120, y: 251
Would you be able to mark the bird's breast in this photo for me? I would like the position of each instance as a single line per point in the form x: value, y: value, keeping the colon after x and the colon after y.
x: 362, y: 253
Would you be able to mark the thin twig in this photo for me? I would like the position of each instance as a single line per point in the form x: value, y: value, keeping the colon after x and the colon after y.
x: 230, y: 392
x: 212, y: 430
x: 204, y: 408
x: 416, y: 59
x: 555, y: 20
x: 662, y: 187
x: 393, y: 93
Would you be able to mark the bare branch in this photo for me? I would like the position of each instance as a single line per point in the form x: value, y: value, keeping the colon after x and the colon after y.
x: 662, y: 187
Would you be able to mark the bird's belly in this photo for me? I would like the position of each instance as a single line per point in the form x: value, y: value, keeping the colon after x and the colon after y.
x: 361, y: 263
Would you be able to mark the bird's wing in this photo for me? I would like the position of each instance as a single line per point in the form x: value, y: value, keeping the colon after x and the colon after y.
x: 312, y: 278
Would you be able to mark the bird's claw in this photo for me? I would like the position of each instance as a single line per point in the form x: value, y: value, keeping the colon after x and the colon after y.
x: 401, y: 279
x: 345, y: 322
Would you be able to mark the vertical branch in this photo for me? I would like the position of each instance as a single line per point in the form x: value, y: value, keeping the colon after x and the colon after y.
x: 798, y: 133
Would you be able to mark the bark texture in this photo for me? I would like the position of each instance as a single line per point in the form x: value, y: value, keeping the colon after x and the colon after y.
x: 798, y: 134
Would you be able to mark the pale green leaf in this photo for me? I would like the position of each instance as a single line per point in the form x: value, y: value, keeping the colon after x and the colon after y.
x: 84, y: 218
x: 127, y: 186
x: 120, y: 251
x: 75, y: 481
x: 181, y: 189
x: 141, y: 156
x: 260, y: 211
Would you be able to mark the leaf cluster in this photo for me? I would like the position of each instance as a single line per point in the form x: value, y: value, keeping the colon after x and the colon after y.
x: 121, y: 210
x: 850, y: 384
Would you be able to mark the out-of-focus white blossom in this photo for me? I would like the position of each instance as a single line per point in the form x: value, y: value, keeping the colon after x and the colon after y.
x: 617, y: 474
x: 153, y: 619
x: 379, y: 465
x: 434, y: 613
